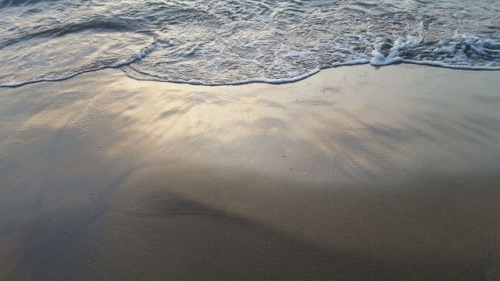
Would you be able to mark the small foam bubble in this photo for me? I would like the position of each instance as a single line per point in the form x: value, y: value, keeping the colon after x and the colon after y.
x: 137, y: 56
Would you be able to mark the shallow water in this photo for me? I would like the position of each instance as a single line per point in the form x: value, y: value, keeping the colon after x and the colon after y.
x: 231, y: 42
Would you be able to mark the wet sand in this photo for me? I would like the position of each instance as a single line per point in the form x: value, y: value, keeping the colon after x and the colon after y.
x: 355, y: 173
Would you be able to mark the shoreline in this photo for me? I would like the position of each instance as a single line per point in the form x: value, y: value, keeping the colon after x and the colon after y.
x: 351, y: 174
x: 267, y: 81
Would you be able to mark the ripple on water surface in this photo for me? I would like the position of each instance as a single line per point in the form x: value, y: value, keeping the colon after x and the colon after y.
x: 229, y: 42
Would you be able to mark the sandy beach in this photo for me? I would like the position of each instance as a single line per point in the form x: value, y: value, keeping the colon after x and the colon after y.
x: 354, y: 173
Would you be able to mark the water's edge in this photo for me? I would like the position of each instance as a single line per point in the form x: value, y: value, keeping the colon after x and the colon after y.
x: 242, y: 82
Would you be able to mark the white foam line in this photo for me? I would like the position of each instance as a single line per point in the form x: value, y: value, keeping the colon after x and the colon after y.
x: 136, y: 56
x: 396, y: 60
x: 279, y: 80
x: 239, y: 82
x: 22, y: 83
x: 444, y: 65
x: 308, y: 74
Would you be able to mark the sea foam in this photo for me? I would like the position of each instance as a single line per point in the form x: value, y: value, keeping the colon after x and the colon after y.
x: 227, y: 42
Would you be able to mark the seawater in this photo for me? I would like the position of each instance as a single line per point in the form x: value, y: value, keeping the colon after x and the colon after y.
x: 233, y: 42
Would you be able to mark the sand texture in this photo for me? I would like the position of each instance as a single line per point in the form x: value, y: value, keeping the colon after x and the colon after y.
x: 355, y: 174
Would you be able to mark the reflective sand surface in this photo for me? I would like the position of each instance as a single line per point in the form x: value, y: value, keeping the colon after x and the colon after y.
x: 352, y: 174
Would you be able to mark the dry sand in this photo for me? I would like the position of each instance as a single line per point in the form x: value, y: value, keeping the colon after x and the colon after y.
x: 355, y: 173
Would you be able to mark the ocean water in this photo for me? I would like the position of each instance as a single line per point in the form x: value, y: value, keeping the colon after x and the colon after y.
x: 231, y: 42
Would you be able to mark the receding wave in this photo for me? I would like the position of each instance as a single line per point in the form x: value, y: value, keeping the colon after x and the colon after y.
x: 233, y: 42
